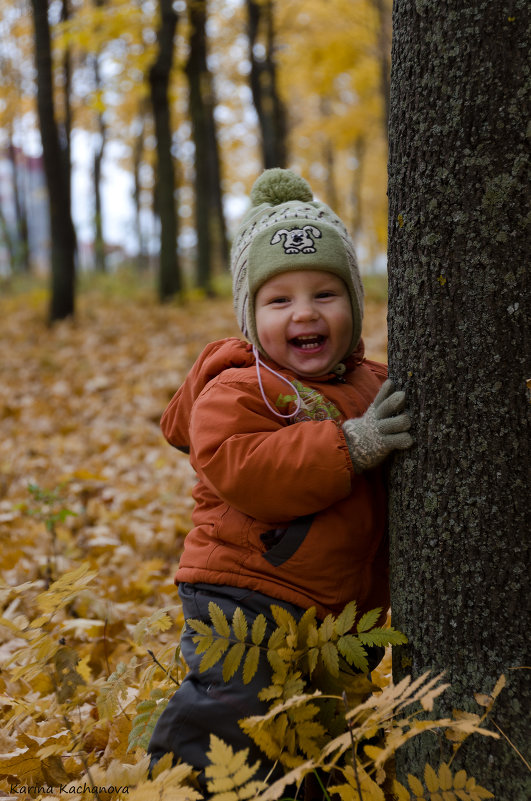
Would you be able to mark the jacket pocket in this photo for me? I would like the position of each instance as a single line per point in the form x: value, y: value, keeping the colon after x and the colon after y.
x: 281, y: 544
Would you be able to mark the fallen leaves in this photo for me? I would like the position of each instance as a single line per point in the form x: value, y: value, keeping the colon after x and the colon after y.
x: 88, y: 557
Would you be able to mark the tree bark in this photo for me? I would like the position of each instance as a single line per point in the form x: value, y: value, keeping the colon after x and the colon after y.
x: 63, y: 238
x: 210, y: 221
x: 142, y: 259
x: 458, y: 177
x: 166, y: 207
x: 267, y: 101
x: 20, y: 252
x: 383, y: 11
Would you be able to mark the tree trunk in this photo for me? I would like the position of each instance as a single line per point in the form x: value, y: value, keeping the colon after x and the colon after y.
x: 57, y: 176
x: 142, y: 259
x: 383, y: 41
x: 268, y: 104
x: 99, y: 241
x: 166, y: 207
x: 20, y: 253
x: 457, y: 326
x: 210, y: 221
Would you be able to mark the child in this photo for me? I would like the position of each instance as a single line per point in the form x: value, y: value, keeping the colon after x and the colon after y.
x: 286, y: 435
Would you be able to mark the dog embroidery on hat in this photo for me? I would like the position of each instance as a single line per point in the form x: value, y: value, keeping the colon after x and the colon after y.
x: 297, y: 240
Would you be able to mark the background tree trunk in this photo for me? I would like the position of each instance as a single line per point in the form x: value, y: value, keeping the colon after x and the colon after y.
x: 268, y: 104
x: 142, y: 258
x: 166, y: 207
x: 99, y: 241
x: 20, y: 254
x: 55, y: 159
x: 210, y: 221
x: 457, y: 323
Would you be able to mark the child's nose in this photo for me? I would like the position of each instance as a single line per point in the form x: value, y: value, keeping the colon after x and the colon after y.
x: 303, y: 311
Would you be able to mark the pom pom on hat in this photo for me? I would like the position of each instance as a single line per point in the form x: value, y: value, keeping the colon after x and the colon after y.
x: 278, y: 186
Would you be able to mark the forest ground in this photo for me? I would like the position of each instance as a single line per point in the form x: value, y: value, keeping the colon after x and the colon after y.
x: 80, y: 404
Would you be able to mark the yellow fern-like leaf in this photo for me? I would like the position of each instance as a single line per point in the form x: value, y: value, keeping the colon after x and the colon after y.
x: 369, y: 789
x: 460, y: 780
x: 203, y: 643
x: 345, y: 620
x: 326, y: 629
x: 350, y: 647
x: 313, y: 657
x: 276, y: 662
x: 330, y: 658
x: 158, y: 621
x: 62, y: 591
x: 220, y: 755
x: 283, y: 618
x: 400, y: 793
x: 277, y: 639
x: 239, y: 624
x: 258, y: 629
x: 431, y: 779
x: 416, y: 786
x: 213, y: 654
x: 200, y: 626
x: 219, y: 620
x: 309, y: 738
x: 232, y: 660
x: 445, y: 777
x: 303, y: 626
x: 229, y: 775
x: 368, y: 620
x: 250, y: 666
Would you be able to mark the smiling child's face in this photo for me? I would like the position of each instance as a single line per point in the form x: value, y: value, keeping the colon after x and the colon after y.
x: 304, y: 321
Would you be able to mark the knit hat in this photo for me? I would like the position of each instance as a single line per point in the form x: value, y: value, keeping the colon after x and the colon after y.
x: 286, y: 229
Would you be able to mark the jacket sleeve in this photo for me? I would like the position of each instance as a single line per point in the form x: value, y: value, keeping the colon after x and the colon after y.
x: 265, y: 468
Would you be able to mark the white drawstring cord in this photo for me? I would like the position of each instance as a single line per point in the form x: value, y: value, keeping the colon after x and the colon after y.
x: 282, y: 378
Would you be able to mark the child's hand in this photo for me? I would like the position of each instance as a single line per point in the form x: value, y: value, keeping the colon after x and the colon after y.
x: 372, y: 437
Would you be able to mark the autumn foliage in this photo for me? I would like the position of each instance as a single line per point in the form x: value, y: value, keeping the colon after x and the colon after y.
x: 94, y: 506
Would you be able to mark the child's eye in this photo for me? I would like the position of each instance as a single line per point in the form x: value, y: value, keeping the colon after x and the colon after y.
x: 327, y: 293
x: 279, y: 300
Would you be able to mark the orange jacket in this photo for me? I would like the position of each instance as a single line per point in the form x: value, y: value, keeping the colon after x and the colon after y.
x: 278, y: 507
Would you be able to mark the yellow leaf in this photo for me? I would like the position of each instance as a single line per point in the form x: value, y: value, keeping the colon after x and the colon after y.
x: 200, y: 626
x: 84, y: 670
x: 326, y: 629
x: 483, y: 700
x: 163, y: 764
x: 399, y: 792
x: 213, y: 654
x: 232, y: 660
x: 415, y: 785
x: 283, y: 619
x: 219, y: 621
x: 431, y: 779
x: 259, y: 629
x: 460, y: 779
x: 330, y: 657
x: 445, y: 777
x: 239, y: 624
x: 250, y: 665
x: 345, y: 620
x: 500, y: 684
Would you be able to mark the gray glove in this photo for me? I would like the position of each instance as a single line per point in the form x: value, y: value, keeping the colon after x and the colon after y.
x: 372, y: 437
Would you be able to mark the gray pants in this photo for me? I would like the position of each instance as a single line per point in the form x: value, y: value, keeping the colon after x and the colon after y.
x: 205, y: 704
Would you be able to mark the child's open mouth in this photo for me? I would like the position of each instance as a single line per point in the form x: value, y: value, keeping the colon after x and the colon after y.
x: 309, y: 342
